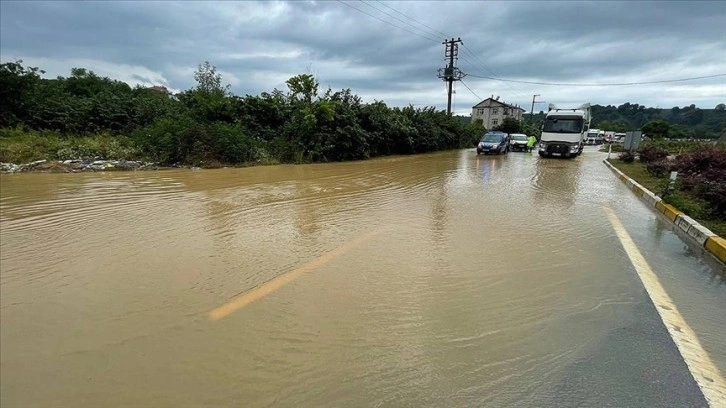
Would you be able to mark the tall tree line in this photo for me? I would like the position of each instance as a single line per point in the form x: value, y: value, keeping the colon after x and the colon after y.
x: 210, y: 123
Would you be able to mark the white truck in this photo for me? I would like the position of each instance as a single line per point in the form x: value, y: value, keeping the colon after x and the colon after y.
x: 595, y: 136
x: 563, y: 131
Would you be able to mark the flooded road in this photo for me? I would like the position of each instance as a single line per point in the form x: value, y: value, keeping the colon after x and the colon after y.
x: 435, y: 280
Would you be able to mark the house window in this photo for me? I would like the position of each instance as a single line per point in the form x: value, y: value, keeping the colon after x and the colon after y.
x: 480, y: 111
x: 495, y: 111
x: 506, y: 111
x: 495, y: 122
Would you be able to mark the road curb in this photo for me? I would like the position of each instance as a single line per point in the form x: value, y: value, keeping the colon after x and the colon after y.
x: 704, y: 237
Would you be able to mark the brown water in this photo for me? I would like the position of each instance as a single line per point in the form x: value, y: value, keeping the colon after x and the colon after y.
x: 445, y: 280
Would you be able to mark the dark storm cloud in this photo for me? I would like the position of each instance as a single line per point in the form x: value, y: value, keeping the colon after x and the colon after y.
x: 257, y: 46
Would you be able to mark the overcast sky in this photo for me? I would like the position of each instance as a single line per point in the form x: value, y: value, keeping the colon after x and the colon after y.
x: 257, y: 46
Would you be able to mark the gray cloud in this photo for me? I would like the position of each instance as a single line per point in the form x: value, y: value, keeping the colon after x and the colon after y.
x: 258, y: 45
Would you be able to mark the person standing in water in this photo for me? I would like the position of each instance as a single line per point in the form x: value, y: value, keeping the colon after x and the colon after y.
x: 530, y: 143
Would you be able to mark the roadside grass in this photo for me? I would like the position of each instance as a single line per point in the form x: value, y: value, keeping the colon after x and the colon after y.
x: 19, y: 146
x: 692, y: 206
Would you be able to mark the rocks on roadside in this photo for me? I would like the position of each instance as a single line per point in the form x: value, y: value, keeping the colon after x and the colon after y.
x: 75, y: 166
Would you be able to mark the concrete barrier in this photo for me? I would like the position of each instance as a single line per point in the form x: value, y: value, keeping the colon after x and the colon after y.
x: 685, y: 222
x: 651, y: 198
x: 671, y: 212
x: 638, y: 189
x: 700, y: 234
x: 717, y: 246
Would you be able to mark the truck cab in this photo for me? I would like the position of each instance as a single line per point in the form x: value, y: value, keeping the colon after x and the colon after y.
x: 563, y: 131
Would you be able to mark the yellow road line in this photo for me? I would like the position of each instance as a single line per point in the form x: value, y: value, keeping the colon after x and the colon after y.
x: 707, y: 375
x: 259, y: 292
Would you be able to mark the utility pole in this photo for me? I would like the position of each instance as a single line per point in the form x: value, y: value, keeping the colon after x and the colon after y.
x: 531, y: 112
x: 451, y: 73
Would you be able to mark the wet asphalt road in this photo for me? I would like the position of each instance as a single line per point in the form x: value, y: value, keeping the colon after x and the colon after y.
x: 447, y: 279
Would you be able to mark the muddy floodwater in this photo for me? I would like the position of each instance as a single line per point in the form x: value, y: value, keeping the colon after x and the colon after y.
x: 447, y: 279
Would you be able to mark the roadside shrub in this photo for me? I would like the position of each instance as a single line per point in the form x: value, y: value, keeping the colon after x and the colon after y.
x: 627, y: 157
x: 703, y: 173
x: 651, y: 154
x: 677, y: 147
x: 659, y: 168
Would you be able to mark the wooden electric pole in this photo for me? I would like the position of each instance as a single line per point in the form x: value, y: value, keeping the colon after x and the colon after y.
x: 451, y: 73
x: 531, y: 112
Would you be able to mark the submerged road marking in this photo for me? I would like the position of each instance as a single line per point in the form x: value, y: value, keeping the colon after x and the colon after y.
x: 707, y: 375
x: 268, y: 287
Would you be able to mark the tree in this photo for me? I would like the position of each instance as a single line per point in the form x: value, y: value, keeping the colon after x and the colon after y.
x: 656, y: 128
x: 209, y: 101
x: 303, y: 87
x: 720, y: 107
x: 510, y: 125
x: 208, y: 80
x: 16, y: 84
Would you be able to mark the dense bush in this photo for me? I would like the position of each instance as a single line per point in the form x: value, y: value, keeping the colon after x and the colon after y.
x: 627, y: 157
x: 650, y: 154
x: 659, y: 168
x: 703, y: 173
x: 207, y: 123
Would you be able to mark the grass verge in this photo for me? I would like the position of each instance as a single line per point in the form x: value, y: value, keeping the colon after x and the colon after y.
x: 692, y: 206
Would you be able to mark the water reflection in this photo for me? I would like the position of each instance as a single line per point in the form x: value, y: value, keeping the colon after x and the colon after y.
x: 555, y: 183
x: 486, y: 167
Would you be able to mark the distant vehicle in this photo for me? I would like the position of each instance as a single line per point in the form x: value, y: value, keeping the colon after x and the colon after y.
x: 619, y: 137
x: 493, y: 142
x: 595, y: 136
x: 609, y: 136
x: 563, y: 131
x: 518, y: 142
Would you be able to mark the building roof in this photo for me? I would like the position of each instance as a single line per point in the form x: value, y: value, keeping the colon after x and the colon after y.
x: 488, y: 102
x: 159, y: 88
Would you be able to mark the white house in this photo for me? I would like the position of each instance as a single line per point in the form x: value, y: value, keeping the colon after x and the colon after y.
x: 492, y: 112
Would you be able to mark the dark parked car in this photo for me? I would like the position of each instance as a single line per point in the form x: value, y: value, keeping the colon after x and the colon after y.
x: 493, y: 142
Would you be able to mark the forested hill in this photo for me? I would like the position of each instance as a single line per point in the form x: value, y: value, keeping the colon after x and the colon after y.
x: 688, y: 121
x: 685, y: 122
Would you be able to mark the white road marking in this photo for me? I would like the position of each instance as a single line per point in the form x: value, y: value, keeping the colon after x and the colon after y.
x: 707, y: 375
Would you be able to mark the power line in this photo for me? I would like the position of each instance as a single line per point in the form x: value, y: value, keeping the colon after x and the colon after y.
x: 389, y: 23
x: 592, y: 84
x: 517, y: 92
x: 472, y: 92
x: 414, y: 20
x: 392, y: 16
x: 477, y: 64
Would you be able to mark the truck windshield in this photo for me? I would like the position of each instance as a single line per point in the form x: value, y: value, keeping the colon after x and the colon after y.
x: 563, y: 125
